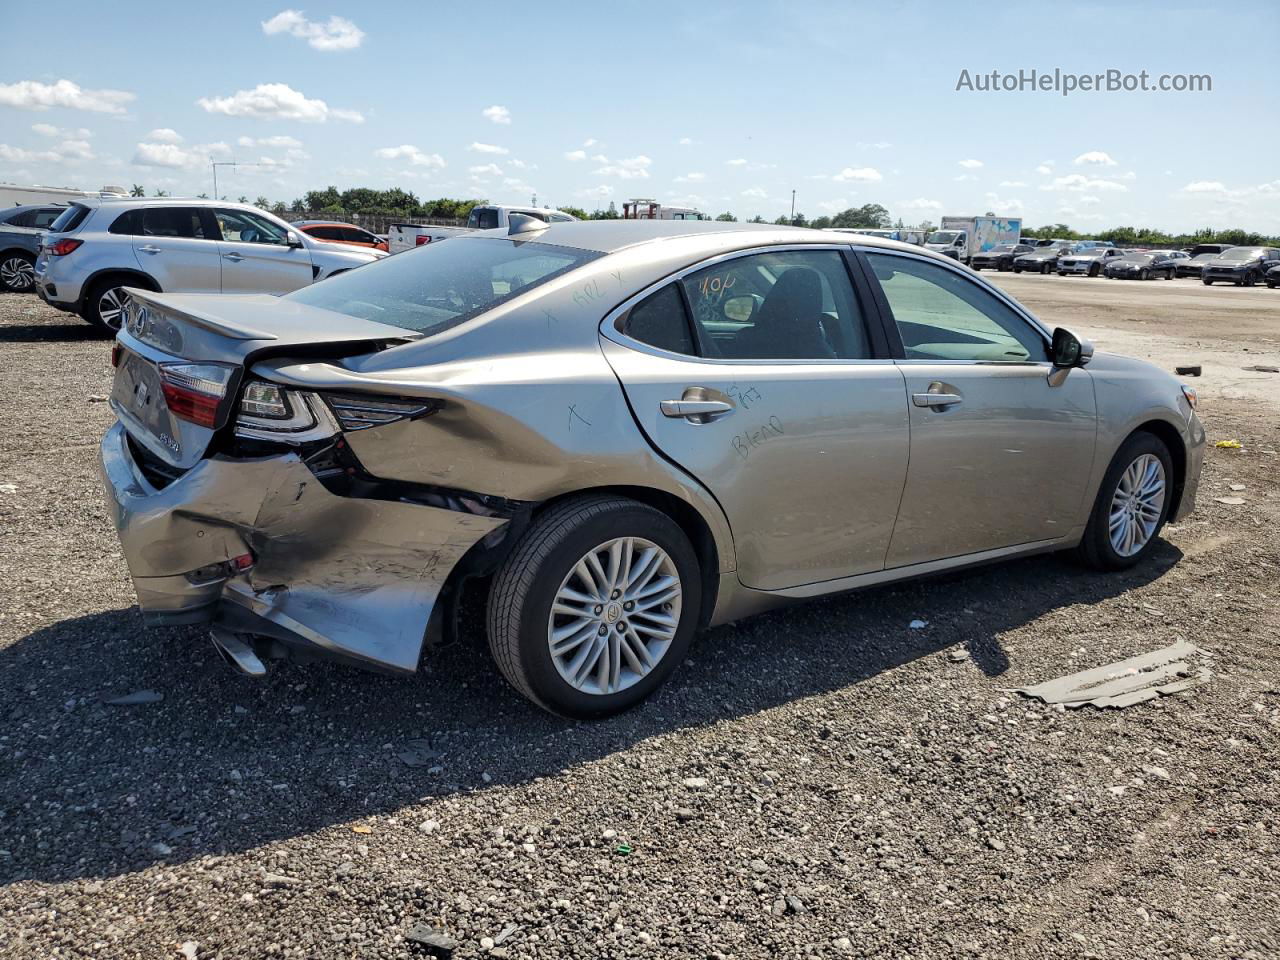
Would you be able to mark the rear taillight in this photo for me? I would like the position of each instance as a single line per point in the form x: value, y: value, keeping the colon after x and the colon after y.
x: 64, y: 246
x: 195, y: 391
x: 117, y: 351
x: 422, y: 239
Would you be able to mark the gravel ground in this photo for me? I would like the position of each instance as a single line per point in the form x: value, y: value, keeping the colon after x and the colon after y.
x: 824, y: 781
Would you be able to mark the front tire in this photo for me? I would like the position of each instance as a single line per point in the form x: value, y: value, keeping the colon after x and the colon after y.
x: 1132, y: 505
x: 595, y: 606
x: 17, y: 273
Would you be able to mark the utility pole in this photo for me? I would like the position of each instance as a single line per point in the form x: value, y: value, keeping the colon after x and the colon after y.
x: 226, y: 163
x: 793, y: 208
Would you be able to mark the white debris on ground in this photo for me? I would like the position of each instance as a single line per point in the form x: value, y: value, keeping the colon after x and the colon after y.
x: 1122, y: 684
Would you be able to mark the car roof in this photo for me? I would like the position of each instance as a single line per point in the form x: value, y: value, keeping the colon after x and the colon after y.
x: 323, y: 223
x: 123, y: 202
x: 610, y: 236
x: 20, y: 207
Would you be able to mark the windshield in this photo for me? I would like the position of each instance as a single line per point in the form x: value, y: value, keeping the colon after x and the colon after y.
x: 943, y: 236
x: 1241, y: 253
x: 1091, y: 252
x: 440, y: 285
x: 1138, y: 257
x: 1001, y: 248
x: 1205, y: 256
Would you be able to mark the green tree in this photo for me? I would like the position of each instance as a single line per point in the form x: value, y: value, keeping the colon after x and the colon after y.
x: 138, y: 190
x: 161, y: 193
x: 821, y: 223
x: 799, y: 220
x: 756, y: 219
x: 319, y: 199
x: 727, y: 217
x: 868, y: 215
x: 575, y: 212
x: 262, y: 203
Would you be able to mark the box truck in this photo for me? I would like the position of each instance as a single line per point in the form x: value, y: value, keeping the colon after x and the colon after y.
x: 962, y: 237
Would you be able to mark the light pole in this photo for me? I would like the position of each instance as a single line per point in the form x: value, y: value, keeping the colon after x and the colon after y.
x: 226, y: 163
x: 793, y: 208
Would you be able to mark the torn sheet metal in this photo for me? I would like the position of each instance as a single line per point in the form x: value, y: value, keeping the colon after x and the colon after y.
x: 1122, y: 684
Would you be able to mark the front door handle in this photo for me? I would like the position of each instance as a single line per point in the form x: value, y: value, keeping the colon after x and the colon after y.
x: 149, y: 249
x: 696, y: 411
x: 935, y: 399
x: 233, y: 257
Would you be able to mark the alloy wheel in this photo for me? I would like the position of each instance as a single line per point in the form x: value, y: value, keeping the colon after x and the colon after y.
x: 111, y: 306
x: 1137, y: 505
x: 615, y: 616
x: 17, y: 274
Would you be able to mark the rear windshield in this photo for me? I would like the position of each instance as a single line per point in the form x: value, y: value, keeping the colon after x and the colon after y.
x: 440, y: 285
x: 70, y: 218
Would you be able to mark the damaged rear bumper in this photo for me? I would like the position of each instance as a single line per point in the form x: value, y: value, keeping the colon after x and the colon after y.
x: 356, y: 578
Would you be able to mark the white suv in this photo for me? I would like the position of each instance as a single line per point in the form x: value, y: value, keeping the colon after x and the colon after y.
x: 98, y: 249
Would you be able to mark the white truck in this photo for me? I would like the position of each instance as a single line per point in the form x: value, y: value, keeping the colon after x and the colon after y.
x: 406, y: 236
x: 640, y: 208
x: 962, y: 237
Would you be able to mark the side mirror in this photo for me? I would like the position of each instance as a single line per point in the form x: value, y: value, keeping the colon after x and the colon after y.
x: 294, y: 240
x: 739, y: 309
x: 1069, y: 350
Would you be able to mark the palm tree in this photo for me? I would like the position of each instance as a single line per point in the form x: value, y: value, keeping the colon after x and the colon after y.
x: 138, y: 191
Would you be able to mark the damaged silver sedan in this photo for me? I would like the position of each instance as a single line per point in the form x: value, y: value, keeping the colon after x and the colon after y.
x: 602, y: 437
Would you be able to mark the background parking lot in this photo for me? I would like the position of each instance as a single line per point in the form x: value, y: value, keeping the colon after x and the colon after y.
x: 822, y: 781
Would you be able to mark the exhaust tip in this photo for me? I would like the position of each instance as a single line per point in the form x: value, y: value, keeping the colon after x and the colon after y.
x: 237, y: 653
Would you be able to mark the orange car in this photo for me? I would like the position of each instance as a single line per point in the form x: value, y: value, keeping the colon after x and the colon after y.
x: 336, y: 232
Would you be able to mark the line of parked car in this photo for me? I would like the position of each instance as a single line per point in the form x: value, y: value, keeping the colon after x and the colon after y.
x: 1210, y: 262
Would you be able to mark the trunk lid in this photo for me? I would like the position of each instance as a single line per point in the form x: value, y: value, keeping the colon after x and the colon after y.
x: 210, y: 340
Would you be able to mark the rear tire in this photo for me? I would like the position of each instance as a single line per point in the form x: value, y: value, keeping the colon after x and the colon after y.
x: 17, y: 272
x: 1207, y: 283
x: 1104, y: 546
x: 535, y: 599
x: 1250, y: 279
x: 106, y: 301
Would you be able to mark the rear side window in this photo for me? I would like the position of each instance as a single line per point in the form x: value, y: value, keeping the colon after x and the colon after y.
x: 660, y: 320
x: 42, y: 218
x: 173, y: 222
x: 24, y: 219
x: 70, y: 218
x: 128, y: 223
x: 440, y: 285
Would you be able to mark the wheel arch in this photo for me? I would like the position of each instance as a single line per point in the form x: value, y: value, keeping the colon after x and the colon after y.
x: 146, y: 280
x: 9, y: 251
x: 1169, y: 435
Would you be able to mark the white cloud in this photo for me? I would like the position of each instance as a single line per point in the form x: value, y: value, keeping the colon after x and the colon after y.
x: 336, y: 33
x: 970, y: 164
x: 576, y: 156
x: 485, y: 170
x: 178, y: 158
x: 68, y: 151
x: 963, y: 177
x: 859, y: 175
x: 601, y: 192
x: 631, y: 168
x: 833, y: 206
x: 738, y: 162
x: 276, y: 141
x: 487, y: 148
x: 1045, y: 169
x: 599, y: 158
x: 521, y: 165
x: 878, y: 145
x: 1205, y: 186
x: 685, y: 141
x: 276, y: 101
x: 1089, y: 201
x: 408, y: 151
x: 1007, y: 205
x: 1012, y: 183
x: 1078, y: 183
x: 164, y: 135
x: 49, y: 130
x: 921, y: 203
x: 756, y: 193
x: 34, y: 95
x: 691, y: 178
x: 590, y: 142
x: 1094, y: 158
x: 497, y: 114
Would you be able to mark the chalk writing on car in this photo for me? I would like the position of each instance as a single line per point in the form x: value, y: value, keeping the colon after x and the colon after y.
x: 744, y: 443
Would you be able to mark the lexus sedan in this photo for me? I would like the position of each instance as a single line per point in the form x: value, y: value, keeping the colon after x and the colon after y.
x: 605, y: 436
x: 1145, y: 265
x: 1041, y: 259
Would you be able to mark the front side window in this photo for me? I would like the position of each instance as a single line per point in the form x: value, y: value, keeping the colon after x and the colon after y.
x: 943, y: 315
x: 240, y: 226
x: 172, y: 222
x: 440, y: 285
x: 355, y: 235
x: 786, y: 305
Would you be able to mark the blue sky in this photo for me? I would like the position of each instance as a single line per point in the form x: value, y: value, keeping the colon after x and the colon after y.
x: 726, y: 107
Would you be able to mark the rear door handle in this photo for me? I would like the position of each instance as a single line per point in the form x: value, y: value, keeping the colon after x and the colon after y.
x: 695, y: 411
x: 149, y: 249
x: 233, y: 257
x: 935, y: 399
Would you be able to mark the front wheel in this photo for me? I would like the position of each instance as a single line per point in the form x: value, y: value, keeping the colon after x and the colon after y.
x: 595, y: 606
x: 1133, y: 504
x: 1093, y: 271
x: 1250, y: 279
x: 1144, y: 275
x: 1207, y: 283
x: 1045, y: 269
x: 17, y: 272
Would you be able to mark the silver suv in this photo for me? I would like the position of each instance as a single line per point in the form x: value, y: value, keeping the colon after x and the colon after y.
x: 99, y: 248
